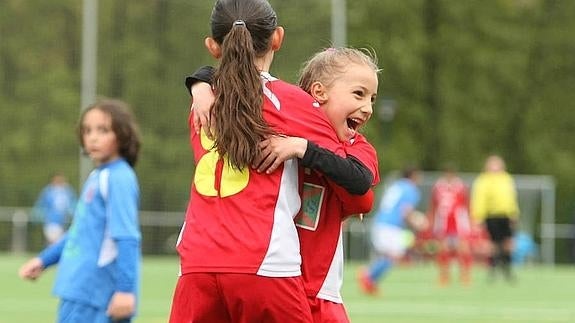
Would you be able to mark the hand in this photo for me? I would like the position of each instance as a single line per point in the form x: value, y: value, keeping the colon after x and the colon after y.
x: 202, y: 100
x: 122, y: 305
x: 277, y: 149
x: 32, y: 269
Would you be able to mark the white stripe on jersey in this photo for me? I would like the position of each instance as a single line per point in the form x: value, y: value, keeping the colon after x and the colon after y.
x: 266, y: 77
x: 279, y: 258
x: 331, y: 287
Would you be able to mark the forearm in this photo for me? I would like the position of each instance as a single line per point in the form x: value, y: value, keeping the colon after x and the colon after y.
x: 127, y: 264
x: 203, y: 74
x: 51, y: 255
x: 347, y: 172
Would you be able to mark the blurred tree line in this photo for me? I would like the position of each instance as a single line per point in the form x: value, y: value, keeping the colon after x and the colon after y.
x: 462, y: 78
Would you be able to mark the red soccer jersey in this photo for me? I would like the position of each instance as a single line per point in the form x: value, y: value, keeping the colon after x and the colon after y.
x: 325, y: 206
x: 242, y: 222
x: 449, y: 208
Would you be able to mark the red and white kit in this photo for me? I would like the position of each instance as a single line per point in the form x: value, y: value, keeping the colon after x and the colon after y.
x: 450, y: 208
x: 242, y: 221
x: 319, y: 224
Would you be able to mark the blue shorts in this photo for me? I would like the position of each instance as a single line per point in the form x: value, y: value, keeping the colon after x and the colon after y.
x: 74, y: 312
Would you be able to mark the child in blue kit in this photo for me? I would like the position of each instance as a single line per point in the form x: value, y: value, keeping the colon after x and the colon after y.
x: 99, y: 257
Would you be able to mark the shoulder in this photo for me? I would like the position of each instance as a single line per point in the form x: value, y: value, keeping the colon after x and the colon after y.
x: 361, y: 148
x: 359, y: 140
x: 482, y: 177
x: 288, y: 91
x: 119, y: 172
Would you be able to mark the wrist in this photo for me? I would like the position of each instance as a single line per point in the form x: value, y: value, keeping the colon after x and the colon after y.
x: 301, y: 144
x: 200, y: 87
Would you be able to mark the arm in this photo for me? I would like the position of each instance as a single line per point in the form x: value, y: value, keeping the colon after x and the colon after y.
x: 34, y: 267
x: 354, y: 204
x: 347, y: 172
x: 122, y: 204
x: 198, y: 85
x: 123, y: 302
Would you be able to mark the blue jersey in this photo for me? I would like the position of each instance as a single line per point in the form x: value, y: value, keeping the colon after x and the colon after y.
x: 56, y: 203
x: 403, y: 194
x: 94, y: 262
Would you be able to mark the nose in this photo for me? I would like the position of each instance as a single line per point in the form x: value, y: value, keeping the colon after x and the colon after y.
x: 367, y: 109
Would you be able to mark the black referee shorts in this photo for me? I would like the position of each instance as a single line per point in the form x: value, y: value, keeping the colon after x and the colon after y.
x: 499, y: 228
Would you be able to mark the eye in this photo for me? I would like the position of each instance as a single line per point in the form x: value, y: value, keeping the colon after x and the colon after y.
x: 373, y: 99
x: 358, y: 93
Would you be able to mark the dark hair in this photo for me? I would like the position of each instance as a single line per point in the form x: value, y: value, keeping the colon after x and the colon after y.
x: 409, y: 171
x: 123, y: 125
x: 243, y: 29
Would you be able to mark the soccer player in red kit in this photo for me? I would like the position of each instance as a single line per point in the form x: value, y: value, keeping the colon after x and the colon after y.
x: 344, y: 83
x: 451, y: 224
x: 238, y: 247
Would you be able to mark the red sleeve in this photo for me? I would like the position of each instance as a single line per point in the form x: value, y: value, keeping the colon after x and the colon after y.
x: 355, y: 204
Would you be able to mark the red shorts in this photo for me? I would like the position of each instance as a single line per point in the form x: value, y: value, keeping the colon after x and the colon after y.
x: 324, y: 311
x: 227, y: 297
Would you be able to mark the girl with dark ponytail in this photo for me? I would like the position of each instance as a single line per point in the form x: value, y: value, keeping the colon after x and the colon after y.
x: 238, y: 247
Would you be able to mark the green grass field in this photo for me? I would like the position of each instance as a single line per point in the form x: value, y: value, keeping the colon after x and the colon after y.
x: 409, y: 294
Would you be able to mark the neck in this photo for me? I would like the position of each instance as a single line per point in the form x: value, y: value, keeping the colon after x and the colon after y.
x: 263, y: 63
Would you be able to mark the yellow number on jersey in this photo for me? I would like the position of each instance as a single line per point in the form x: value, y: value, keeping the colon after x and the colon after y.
x: 232, y: 181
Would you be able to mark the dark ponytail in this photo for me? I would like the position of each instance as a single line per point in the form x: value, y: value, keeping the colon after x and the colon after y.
x: 243, y: 28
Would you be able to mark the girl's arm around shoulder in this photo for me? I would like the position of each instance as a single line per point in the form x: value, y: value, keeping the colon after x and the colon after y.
x: 347, y: 172
x: 363, y: 151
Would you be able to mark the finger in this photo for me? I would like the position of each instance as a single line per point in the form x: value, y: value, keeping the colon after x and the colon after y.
x: 264, y: 144
x: 276, y: 163
x: 256, y: 163
x: 264, y: 152
x: 264, y: 165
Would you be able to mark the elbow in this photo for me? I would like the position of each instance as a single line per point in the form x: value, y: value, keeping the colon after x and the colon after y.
x: 359, y: 187
x: 363, y: 184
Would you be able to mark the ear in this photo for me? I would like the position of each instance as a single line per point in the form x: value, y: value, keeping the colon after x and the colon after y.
x: 277, y: 38
x: 319, y: 92
x: 213, y: 47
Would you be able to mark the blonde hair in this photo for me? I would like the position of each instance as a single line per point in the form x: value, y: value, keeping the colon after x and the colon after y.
x: 327, y: 65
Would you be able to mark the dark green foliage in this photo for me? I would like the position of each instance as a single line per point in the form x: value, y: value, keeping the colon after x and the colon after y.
x: 468, y: 78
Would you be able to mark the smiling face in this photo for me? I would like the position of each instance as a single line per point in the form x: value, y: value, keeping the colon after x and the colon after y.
x: 348, y: 99
x: 98, y: 138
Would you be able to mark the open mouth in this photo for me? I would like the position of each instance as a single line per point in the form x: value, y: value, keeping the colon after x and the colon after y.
x: 353, y: 123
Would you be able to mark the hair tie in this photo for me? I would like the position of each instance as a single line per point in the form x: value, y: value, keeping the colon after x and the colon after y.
x: 239, y: 22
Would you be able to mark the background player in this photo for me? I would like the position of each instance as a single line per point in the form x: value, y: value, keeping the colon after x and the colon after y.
x: 99, y: 257
x: 494, y: 205
x: 388, y: 231
x: 55, y: 207
x: 451, y: 224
